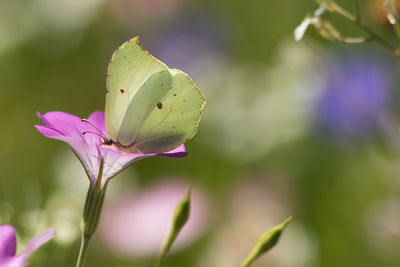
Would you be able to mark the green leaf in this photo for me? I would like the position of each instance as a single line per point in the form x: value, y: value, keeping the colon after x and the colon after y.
x: 267, y: 241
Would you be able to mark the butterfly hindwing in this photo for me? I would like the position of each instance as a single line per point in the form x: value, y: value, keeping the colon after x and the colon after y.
x: 143, y: 105
x: 170, y: 115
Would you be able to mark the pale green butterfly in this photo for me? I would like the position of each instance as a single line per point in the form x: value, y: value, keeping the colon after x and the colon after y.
x: 149, y: 107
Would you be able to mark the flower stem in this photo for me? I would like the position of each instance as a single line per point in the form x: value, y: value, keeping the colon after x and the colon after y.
x: 167, y: 245
x: 161, y: 259
x: 91, y: 214
x: 83, y: 251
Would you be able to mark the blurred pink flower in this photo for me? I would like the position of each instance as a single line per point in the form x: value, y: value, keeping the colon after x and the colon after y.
x: 89, y: 148
x: 136, y: 223
x: 8, y: 246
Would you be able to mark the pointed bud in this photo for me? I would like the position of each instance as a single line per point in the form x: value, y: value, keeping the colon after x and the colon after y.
x: 181, y: 216
x: 267, y: 241
x: 182, y: 212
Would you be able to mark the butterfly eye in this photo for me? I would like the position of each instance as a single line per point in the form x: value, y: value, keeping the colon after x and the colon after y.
x: 159, y: 105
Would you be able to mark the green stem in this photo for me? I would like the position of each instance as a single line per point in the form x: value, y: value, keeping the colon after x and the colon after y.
x: 160, y: 259
x: 167, y: 245
x: 83, y: 251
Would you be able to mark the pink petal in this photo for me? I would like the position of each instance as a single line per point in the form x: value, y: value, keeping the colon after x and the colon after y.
x: 178, y: 152
x: 69, y: 128
x: 37, y: 242
x: 69, y: 125
x: 8, y: 242
x: 97, y: 118
x: 115, y: 162
x: 48, y: 132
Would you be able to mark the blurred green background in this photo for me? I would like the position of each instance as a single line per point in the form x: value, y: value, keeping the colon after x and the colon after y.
x: 308, y: 129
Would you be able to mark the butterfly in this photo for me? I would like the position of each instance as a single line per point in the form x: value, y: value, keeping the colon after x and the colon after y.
x: 149, y: 107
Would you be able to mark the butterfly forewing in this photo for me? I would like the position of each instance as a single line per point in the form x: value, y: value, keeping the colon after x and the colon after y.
x: 130, y: 67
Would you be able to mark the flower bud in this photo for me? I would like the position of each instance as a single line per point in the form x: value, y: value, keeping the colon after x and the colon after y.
x: 267, y: 241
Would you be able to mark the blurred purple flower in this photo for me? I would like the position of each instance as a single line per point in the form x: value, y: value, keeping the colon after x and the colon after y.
x: 89, y: 148
x: 136, y: 223
x: 192, y: 39
x: 355, y: 96
x: 8, y: 246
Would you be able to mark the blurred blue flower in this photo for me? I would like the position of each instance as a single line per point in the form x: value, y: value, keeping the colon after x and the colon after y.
x: 354, y: 98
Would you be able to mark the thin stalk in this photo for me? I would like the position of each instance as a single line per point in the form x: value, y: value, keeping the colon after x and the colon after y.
x: 395, y: 22
x: 83, y: 251
x: 167, y: 245
x: 372, y: 35
x: 161, y: 259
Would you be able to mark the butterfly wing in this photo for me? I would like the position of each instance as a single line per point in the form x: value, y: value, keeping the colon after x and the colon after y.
x: 164, y: 113
x: 130, y: 67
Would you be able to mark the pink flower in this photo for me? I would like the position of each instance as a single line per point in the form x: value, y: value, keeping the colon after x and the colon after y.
x: 8, y: 246
x: 89, y: 147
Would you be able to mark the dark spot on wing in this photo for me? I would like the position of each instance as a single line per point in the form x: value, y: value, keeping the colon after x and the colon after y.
x: 174, y: 94
x: 159, y: 105
x: 162, y: 84
x: 122, y: 90
x: 184, y: 100
x: 173, y: 127
x: 181, y: 113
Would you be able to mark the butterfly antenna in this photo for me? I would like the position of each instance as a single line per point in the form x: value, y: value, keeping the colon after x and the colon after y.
x: 85, y: 132
x: 91, y: 124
